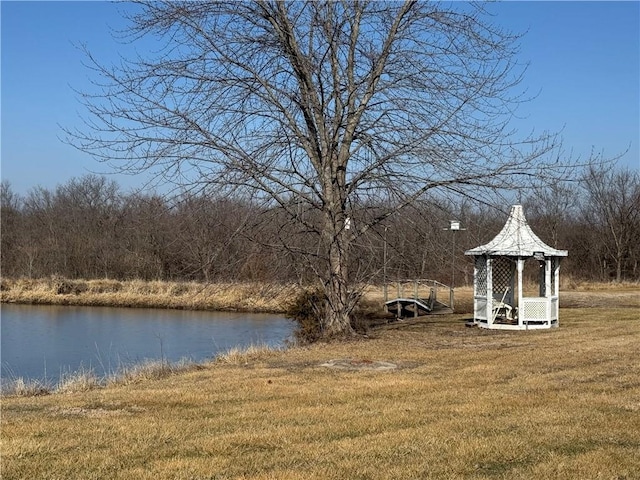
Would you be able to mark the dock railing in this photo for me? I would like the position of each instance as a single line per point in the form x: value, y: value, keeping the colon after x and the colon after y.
x: 424, y: 289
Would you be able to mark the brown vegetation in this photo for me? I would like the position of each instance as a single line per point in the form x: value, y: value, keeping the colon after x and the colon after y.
x: 256, y: 297
x: 460, y: 403
x: 247, y: 297
x: 89, y: 229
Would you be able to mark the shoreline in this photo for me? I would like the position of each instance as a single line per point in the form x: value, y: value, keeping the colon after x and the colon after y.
x: 244, y: 297
x: 85, y: 379
x: 223, y: 297
x: 254, y: 297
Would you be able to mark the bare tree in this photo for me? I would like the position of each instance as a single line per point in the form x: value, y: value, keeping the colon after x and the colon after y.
x: 87, y: 208
x: 551, y: 209
x: 209, y: 232
x: 148, y: 238
x: 320, y: 108
x: 612, y: 210
x: 10, y: 243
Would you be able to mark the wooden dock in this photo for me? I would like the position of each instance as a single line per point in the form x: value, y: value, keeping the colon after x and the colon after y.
x: 415, y: 298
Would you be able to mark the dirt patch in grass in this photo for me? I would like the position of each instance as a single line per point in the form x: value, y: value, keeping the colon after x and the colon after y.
x: 360, y: 364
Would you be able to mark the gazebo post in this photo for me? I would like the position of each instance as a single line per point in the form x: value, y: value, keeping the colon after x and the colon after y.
x: 547, y: 287
x: 489, y: 307
x: 556, y: 288
x: 520, y: 268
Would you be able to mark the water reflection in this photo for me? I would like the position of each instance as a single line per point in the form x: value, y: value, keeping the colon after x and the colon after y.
x: 41, y: 342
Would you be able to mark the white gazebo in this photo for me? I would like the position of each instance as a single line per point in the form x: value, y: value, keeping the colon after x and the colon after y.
x: 499, y: 299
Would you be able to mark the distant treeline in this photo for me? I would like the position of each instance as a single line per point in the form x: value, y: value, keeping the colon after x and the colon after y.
x: 88, y: 228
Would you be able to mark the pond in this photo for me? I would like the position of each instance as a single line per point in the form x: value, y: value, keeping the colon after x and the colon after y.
x: 44, y: 342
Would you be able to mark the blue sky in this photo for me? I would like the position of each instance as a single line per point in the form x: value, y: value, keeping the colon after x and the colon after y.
x: 584, y: 67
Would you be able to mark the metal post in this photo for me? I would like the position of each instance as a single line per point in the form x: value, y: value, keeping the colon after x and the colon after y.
x: 451, y: 297
x: 454, y: 227
x: 453, y: 252
x: 453, y: 263
x: 384, y: 265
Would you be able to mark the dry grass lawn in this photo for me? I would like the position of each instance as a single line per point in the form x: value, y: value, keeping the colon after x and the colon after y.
x: 460, y: 403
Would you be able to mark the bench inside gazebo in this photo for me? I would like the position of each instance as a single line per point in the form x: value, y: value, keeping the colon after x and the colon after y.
x: 499, y: 300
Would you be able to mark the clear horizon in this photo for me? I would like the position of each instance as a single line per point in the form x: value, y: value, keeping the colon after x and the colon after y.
x: 583, y: 71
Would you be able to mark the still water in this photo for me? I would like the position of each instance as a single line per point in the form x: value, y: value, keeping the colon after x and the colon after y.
x: 44, y: 342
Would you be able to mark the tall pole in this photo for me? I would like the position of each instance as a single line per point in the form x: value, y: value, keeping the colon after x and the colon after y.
x: 384, y: 265
x: 453, y: 258
x: 454, y: 226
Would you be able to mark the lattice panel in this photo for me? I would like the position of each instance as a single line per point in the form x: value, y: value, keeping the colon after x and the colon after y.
x: 535, y: 310
x: 502, y: 274
x: 481, y: 276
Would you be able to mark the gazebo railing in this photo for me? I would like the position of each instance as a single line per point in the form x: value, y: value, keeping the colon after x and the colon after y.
x: 533, y: 312
x: 538, y: 309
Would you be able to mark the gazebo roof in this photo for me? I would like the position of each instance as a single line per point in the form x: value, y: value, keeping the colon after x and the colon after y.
x: 516, y: 239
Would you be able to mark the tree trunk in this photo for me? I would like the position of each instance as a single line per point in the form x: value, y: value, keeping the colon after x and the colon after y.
x: 339, y: 303
x: 337, y: 321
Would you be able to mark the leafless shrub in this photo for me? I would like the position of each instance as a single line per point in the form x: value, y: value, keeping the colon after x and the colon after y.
x: 81, y: 380
x: 149, y: 370
x: 19, y: 387
x: 243, y: 355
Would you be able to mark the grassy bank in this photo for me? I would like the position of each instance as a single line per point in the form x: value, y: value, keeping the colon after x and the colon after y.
x: 247, y: 297
x: 251, y: 297
x: 86, y: 379
x: 242, y: 297
x: 426, y: 398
